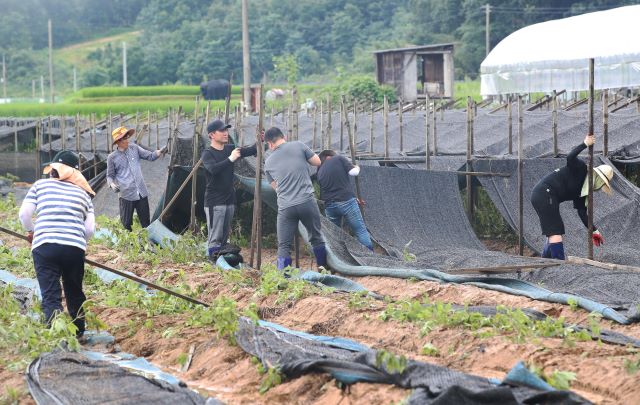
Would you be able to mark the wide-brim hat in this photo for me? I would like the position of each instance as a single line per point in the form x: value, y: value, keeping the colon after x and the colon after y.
x: 605, y: 172
x: 120, y: 133
x: 65, y: 157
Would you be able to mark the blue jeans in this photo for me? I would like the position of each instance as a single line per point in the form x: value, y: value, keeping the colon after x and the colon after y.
x: 350, y: 211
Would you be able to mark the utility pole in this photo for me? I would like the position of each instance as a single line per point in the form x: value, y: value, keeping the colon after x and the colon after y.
x: 75, y: 80
x: 246, y: 61
x: 487, y: 11
x: 51, y: 87
x: 4, y: 78
x: 124, y: 64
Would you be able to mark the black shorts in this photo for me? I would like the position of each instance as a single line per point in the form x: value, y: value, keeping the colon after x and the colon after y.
x: 547, y: 207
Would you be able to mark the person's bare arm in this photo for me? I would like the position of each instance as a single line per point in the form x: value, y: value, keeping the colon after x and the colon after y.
x: 314, y: 160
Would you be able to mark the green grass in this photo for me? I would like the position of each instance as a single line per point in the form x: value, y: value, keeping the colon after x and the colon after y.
x: 76, y: 54
x: 462, y: 89
x: 100, y: 109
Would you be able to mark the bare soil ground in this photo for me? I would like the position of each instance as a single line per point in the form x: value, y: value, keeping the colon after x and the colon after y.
x: 226, y: 372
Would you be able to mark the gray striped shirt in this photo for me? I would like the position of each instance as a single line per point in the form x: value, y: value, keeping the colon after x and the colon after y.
x: 123, y: 170
x: 61, y: 209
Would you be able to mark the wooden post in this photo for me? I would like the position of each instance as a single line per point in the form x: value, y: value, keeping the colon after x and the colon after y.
x: 315, y: 128
x: 371, y: 130
x: 38, y: 138
x: 49, y: 126
x: 355, y: 124
x: 321, y: 140
x: 342, y: 119
x: 605, y: 122
x: 256, y: 228
x: 63, y: 132
x: 469, y: 157
x: 108, y: 137
x: 15, y: 135
x: 77, y: 132
x: 590, y: 163
x: 385, y: 118
x: 400, y: 122
x: 193, y: 226
x: 157, y: 118
x: 352, y: 149
x: 294, y: 115
x: 427, y: 141
x: 520, y: 181
x: 510, y: 123
x: 149, y: 128
x: 554, y: 116
x: 329, y: 116
x: 433, y: 130
x: 93, y: 143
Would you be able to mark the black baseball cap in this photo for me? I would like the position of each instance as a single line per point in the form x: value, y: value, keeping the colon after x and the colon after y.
x: 65, y: 157
x: 217, y: 125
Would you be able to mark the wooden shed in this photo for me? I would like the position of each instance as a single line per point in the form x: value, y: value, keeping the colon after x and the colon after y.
x: 414, y: 70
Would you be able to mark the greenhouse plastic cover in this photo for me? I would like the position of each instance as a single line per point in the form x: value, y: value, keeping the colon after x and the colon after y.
x: 554, y: 55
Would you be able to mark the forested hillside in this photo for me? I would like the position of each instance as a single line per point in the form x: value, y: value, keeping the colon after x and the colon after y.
x: 186, y: 41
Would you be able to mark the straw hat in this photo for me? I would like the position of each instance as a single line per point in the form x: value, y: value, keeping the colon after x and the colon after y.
x: 120, y: 133
x: 605, y: 172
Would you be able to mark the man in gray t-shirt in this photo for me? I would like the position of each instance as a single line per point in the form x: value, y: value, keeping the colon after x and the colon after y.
x: 286, y: 169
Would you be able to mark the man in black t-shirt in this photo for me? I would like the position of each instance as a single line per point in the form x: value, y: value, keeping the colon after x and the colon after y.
x: 335, y: 191
x: 220, y: 196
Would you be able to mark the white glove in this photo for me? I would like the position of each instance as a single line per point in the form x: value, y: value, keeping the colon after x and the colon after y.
x: 114, y: 187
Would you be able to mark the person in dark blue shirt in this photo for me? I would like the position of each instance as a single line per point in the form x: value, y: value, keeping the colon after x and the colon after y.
x: 337, y: 194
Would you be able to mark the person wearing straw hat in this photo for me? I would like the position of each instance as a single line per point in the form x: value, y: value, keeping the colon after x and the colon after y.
x: 569, y: 183
x: 64, y: 223
x: 124, y: 176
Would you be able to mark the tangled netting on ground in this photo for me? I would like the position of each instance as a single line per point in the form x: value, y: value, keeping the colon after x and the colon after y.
x: 62, y: 377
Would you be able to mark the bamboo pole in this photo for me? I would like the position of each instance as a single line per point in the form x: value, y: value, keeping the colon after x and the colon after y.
x: 148, y: 128
x: 157, y: 118
x: 15, y: 135
x: 590, y: 163
x: 371, y: 130
x: 355, y: 125
x: 385, y: 117
x: 49, y: 126
x: 342, y: 113
x: 294, y: 115
x: 520, y: 181
x: 554, y: 116
x: 63, y: 133
x: 605, y: 122
x: 256, y: 228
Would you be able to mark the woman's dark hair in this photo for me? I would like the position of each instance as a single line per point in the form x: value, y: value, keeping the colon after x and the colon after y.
x: 325, y: 154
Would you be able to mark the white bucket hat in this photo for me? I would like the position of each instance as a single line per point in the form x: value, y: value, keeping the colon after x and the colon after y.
x: 605, y: 172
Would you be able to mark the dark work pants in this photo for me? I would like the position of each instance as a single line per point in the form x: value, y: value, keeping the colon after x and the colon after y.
x: 127, y: 207
x: 53, y: 261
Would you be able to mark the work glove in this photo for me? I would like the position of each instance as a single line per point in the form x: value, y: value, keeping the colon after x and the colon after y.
x: 597, y: 238
x: 114, y: 187
x: 30, y: 237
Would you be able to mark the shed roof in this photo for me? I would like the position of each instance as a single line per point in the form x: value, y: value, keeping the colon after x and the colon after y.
x: 554, y: 55
x: 417, y: 49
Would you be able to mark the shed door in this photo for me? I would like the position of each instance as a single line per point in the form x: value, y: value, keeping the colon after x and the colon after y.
x: 433, y: 66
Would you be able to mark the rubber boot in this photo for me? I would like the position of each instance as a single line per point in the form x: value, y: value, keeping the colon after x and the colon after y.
x: 283, y: 262
x: 546, y: 252
x: 557, y: 250
x: 321, y: 255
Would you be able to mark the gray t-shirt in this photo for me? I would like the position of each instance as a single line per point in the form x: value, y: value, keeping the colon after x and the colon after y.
x: 288, y: 167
